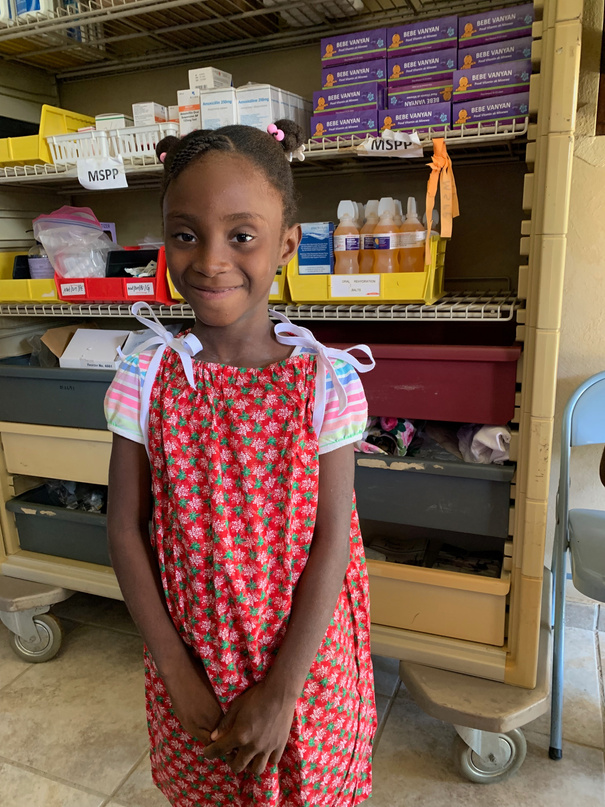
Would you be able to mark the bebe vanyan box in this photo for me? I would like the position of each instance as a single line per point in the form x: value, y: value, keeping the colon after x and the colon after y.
x: 435, y: 67
x: 338, y: 124
x: 420, y: 37
x: 358, y: 47
x: 511, y: 50
x: 502, y: 108
x: 418, y: 117
x: 353, y: 96
x: 492, y: 26
x: 420, y: 95
x: 360, y: 73
x: 493, y: 79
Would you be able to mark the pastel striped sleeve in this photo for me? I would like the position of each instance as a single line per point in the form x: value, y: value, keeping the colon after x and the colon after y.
x: 123, y: 398
x: 347, y: 427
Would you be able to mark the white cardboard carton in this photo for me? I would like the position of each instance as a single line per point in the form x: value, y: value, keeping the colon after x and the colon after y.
x: 148, y: 112
x: 94, y: 348
x: 219, y: 108
x: 208, y: 78
x: 189, y: 111
x: 259, y: 105
x: 112, y: 120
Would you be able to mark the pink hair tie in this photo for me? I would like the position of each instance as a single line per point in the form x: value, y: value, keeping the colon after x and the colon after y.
x: 162, y: 156
x: 277, y: 133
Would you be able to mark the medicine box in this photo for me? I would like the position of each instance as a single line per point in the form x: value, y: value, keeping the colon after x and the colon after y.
x: 360, y: 73
x: 316, y: 250
x: 493, y: 26
x: 420, y: 95
x: 189, y: 111
x: 208, y: 78
x: 259, y: 105
x: 354, y: 96
x: 494, y: 79
x: 503, y: 108
x: 94, y: 348
x: 112, y: 120
x: 412, y: 118
x: 218, y: 108
x: 508, y: 51
x: 424, y: 67
x: 173, y: 113
x: 148, y: 113
x: 338, y: 124
x: 357, y: 47
x: 420, y: 37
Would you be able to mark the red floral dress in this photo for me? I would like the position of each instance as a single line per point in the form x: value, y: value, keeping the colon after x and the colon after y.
x: 235, y: 469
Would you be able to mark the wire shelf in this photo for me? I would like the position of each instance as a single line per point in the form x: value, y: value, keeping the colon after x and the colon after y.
x: 107, y: 36
x: 468, y: 306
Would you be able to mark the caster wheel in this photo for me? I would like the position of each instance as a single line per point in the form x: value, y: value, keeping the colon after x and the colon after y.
x: 484, y: 772
x: 51, y: 635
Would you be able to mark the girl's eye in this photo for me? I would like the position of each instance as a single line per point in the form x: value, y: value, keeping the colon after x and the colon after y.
x: 187, y: 238
x: 244, y: 238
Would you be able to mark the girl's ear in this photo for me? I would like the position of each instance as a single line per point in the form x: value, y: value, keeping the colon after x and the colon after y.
x: 290, y: 243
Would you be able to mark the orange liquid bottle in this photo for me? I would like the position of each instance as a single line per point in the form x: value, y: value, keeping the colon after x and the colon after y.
x: 386, y: 238
x: 413, y: 234
x: 366, y: 238
x: 346, y: 240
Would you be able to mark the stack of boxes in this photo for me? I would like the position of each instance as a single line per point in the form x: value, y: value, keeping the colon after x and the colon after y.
x: 406, y: 78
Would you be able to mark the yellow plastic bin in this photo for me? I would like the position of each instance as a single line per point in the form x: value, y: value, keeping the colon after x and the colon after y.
x: 34, y: 149
x: 23, y: 291
x: 398, y: 287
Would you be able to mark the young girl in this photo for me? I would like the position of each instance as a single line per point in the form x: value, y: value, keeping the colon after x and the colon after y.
x: 236, y: 440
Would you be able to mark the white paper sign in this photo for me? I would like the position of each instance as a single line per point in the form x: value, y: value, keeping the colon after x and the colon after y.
x: 355, y: 286
x: 274, y: 288
x: 101, y: 173
x: 392, y: 144
x: 134, y: 289
x: 72, y: 289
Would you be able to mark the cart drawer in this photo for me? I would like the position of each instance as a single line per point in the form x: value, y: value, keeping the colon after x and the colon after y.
x: 80, y: 455
x: 460, y: 606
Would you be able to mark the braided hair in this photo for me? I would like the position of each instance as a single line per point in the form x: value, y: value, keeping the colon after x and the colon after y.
x: 261, y: 148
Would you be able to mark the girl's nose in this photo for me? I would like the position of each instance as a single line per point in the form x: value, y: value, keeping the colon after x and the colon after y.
x: 211, y: 259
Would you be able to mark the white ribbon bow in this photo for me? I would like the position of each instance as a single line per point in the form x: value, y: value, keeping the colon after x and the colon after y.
x: 299, y: 153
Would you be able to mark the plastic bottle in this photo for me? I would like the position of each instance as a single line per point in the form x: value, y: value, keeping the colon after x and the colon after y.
x: 39, y: 264
x: 412, y: 241
x: 386, y: 238
x: 366, y: 238
x: 399, y: 217
x: 346, y: 240
x: 360, y: 215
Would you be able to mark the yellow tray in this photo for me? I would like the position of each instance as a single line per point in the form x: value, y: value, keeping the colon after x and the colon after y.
x: 34, y: 148
x: 398, y: 287
x: 23, y: 291
x: 279, y: 287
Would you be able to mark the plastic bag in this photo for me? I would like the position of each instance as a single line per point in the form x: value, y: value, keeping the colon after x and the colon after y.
x: 74, y: 241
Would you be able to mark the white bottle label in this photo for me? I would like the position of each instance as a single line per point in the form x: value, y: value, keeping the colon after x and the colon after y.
x: 386, y: 241
x: 367, y: 242
x: 412, y: 240
x: 344, y: 243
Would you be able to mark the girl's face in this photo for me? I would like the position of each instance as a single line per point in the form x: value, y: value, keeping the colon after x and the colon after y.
x: 224, y: 237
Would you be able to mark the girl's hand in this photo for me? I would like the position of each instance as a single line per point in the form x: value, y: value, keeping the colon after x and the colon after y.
x: 255, y: 730
x: 193, y: 699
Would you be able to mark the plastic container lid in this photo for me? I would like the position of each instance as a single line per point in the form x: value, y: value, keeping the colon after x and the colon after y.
x: 347, y: 210
x: 386, y: 207
x: 371, y: 209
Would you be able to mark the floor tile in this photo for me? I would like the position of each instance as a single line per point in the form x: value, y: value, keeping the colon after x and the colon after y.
x: 581, y: 615
x: 100, y: 611
x: 139, y: 790
x: 81, y: 716
x: 10, y: 665
x: 386, y: 675
x: 573, y: 595
x: 582, y: 716
x: 21, y: 788
x: 414, y: 767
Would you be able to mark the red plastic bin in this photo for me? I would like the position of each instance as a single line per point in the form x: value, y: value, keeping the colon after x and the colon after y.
x: 464, y: 383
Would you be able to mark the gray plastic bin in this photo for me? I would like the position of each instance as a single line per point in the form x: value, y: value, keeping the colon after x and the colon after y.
x: 55, y: 396
x: 52, y: 530
x: 434, y: 490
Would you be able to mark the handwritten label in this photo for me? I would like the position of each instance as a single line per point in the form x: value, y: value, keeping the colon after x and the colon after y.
x: 73, y: 289
x: 355, y: 286
x: 392, y: 144
x: 136, y: 289
x: 274, y: 288
x: 101, y: 173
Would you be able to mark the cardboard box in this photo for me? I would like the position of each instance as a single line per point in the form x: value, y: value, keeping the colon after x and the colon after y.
x: 112, y: 120
x: 173, y: 113
x: 425, y: 67
x: 259, y: 105
x: 413, y: 95
x: 360, y: 46
x: 316, y: 250
x: 511, y: 50
x: 338, y: 124
x: 360, y: 73
x: 415, y: 118
x: 420, y: 37
x: 94, y: 348
x: 353, y: 96
x: 493, y: 26
x: 493, y: 79
x: 208, y: 78
x: 503, y: 108
x: 190, y: 118
x: 147, y: 113
x: 218, y: 108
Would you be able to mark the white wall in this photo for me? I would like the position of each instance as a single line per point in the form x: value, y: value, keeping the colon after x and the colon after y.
x: 23, y: 90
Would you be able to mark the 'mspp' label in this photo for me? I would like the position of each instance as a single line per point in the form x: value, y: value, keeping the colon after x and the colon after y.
x: 101, y: 173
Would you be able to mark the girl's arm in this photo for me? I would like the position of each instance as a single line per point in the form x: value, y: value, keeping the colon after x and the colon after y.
x: 135, y: 565
x: 259, y: 721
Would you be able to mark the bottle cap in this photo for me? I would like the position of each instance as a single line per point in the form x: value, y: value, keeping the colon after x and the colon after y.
x: 372, y: 209
x: 347, y: 210
x: 412, y: 215
x: 386, y: 207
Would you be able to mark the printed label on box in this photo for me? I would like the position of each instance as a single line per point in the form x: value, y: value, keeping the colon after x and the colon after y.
x: 73, y: 289
x: 355, y: 286
x: 134, y: 289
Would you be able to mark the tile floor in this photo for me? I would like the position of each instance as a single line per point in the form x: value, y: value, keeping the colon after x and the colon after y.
x: 73, y: 734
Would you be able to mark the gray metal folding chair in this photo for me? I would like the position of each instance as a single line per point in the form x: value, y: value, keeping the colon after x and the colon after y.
x: 582, y: 532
